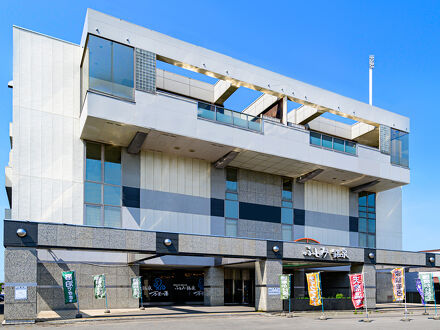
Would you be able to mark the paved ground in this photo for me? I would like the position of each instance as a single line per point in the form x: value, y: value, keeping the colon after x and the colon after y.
x: 255, y: 322
x: 234, y: 317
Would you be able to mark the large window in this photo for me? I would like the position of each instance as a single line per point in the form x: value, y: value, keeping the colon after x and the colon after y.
x: 367, y: 220
x: 287, y: 210
x: 231, y: 202
x: 102, y: 186
x: 332, y: 143
x: 108, y: 67
x: 399, y: 148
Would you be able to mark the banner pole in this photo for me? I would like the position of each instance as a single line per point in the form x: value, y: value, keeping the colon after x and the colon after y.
x: 78, y: 314
x: 322, y: 298
x: 435, y: 298
x: 142, y: 291
x: 106, y: 305
x: 365, y: 296
x: 404, y: 281
x: 290, y: 290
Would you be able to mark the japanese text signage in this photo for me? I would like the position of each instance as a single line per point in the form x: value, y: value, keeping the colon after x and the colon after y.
x: 99, y: 286
x: 136, y: 287
x: 314, y: 288
x: 69, y: 286
x: 284, y: 287
x: 323, y: 252
x: 427, y: 286
x: 357, y: 290
x: 398, y: 279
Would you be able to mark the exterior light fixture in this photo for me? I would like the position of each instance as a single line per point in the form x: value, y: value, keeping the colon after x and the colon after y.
x: 167, y: 242
x: 431, y: 259
x: 21, y: 232
x: 276, y: 248
x: 371, y: 255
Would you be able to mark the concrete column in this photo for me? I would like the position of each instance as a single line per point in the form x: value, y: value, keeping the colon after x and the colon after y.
x: 266, y: 276
x: 284, y: 110
x: 20, y: 270
x: 369, y: 272
x: 298, y: 283
x: 214, y: 286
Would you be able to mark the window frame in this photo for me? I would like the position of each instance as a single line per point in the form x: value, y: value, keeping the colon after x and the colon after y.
x: 102, y: 184
x: 83, y: 56
x: 369, y: 217
x: 228, y: 194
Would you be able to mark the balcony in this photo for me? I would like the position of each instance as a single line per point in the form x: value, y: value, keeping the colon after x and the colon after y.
x: 229, y: 117
x: 332, y: 143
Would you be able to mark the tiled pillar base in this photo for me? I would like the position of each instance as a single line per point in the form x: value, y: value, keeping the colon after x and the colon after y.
x: 266, y: 277
x: 214, y: 287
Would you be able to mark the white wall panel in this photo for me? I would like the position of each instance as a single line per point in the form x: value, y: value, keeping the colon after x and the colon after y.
x: 48, y: 156
x: 170, y: 173
x: 328, y: 236
x: 389, y: 219
x: 156, y: 220
x: 326, y: 198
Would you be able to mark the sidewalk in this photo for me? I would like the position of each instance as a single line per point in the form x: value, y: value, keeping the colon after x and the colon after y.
x: 149, y: 312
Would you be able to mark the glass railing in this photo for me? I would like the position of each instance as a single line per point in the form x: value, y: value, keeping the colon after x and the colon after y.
x: 332, y: 143
x: 229, y: 117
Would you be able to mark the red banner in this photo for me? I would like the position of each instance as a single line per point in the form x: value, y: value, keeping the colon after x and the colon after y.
x: 357, y: 290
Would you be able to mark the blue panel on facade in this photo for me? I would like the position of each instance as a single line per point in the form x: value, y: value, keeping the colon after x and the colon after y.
x: 260, y: 212
x: 130, y: 197
x: 354, y: 224
x: 299, y: 217
x: 217, y: 207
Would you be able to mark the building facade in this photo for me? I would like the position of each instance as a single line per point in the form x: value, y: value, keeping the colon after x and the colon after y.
x: 111, y: 155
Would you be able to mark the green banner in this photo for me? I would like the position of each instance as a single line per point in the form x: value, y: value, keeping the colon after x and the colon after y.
x: 136, y: 287
x: 99, y: 286
x: 427, y: 286
x: 284, y: 287
x: 69, y: 286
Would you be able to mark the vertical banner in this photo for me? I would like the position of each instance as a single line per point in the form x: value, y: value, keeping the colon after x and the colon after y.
x: 357, y: 290
x: 99, y: 286
x: 420, y: 289
x: 136, y: 287
x: 314, y: 288
x: 398, y: 279
x: 427, y: 286
x: 69, y: 287
x: 284, y: 287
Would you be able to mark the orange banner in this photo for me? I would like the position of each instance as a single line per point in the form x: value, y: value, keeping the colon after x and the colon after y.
x: 314, y: 288
x: 398, y: 279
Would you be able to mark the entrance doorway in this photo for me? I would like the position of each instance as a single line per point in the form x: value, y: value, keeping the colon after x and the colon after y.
x: 239, y: 286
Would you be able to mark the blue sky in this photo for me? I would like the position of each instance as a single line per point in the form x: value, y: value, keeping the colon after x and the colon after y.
x: 324, y: 43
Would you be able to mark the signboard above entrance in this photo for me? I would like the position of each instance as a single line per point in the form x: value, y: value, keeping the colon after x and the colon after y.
x: 323, y: 252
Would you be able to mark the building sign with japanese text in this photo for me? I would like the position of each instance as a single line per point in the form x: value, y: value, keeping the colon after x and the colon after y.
x: 323, y: 252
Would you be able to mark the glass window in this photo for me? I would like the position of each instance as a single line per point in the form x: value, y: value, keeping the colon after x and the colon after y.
x: 338, y: 144
x: 327, y: 141
x: 350, y: 147
x: 231, y: 179
x: 287, y: 216
x: 371, y: 200
x: 112, y: 165
x: 93, y: 162
x: 315, y: 138
x: 363, y: 214
x: 363, y: 201
x: 93, y: 215
x: 287, y: 204
x: 231, y: 209
x: 111, y: 67
x: 112, y: 195
x: 363, y: 225
x: 231, y: 228
x: 287, y: 189
x: 232, y: 196
x: 95, y: 192
x: 371, y: 241
x: 92, y: 193
x: 112, y: 216
x: 286, y: 232
x: 372, y: 226
x: 224, y: 116
x: 362, y: 240
x: 399, y: 148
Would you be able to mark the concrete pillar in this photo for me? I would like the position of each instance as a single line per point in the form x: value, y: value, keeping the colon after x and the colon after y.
x: 266, y: 276
x: 298, y: 283
x: 369, y: 272
x: 284, y: 111
x: 20, y: 271
x: 214, y: 286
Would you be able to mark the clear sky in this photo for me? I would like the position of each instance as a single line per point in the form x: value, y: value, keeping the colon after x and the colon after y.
x: 324, y: 43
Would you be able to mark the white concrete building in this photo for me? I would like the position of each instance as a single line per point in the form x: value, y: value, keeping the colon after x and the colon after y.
x: 101, y: 137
